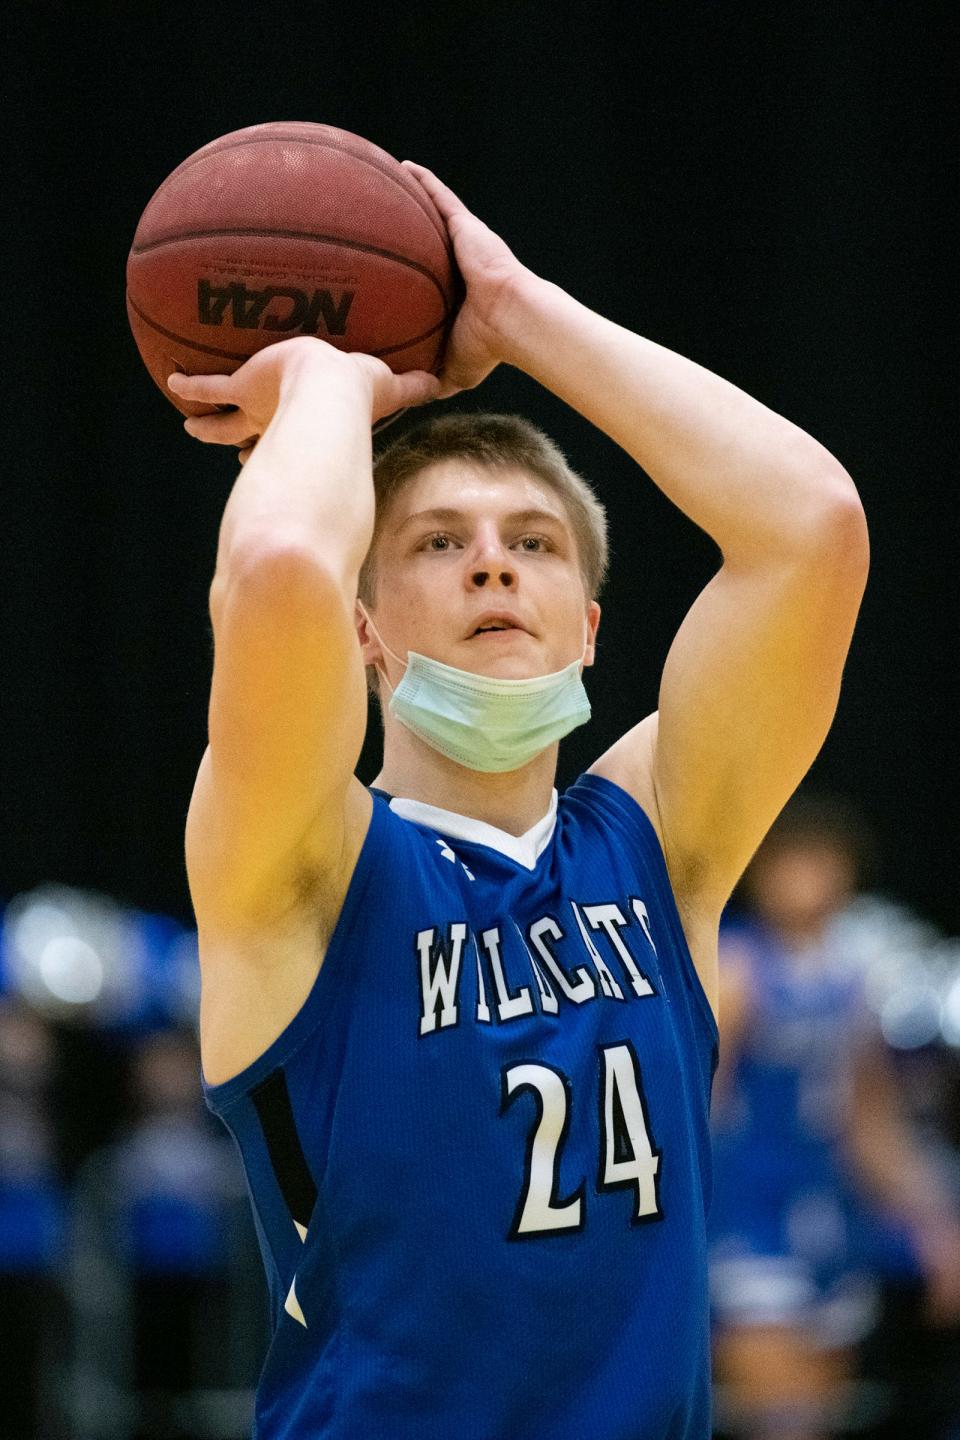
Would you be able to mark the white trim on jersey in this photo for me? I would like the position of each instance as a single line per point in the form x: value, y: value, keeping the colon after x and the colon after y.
x: 525, y: 849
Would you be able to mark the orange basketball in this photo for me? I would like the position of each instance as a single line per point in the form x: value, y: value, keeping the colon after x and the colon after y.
x: 289, y: 229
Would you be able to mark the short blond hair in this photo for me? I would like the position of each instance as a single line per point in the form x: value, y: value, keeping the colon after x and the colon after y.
x: 499, y: 442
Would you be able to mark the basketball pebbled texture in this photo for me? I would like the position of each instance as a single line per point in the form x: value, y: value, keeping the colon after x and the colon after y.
x: 284, y: 229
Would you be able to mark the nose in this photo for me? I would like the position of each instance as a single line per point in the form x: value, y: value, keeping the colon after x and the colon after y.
x: 491, y: 565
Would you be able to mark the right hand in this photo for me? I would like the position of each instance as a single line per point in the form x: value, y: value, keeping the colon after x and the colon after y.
x: 491, y: 273
x: 261, y: 382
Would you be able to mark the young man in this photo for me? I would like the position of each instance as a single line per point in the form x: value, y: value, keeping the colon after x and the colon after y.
x: 461, y: 1031
x: 820, y: 1183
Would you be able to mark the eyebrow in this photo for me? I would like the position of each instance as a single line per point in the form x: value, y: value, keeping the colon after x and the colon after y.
x: 447, y: 516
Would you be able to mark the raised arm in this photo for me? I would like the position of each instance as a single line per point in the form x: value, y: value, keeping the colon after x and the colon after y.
x: 288, y: 702
x: 750, y: 685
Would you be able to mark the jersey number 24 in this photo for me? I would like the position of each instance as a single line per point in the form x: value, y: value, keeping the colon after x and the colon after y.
x: 628, y: 1155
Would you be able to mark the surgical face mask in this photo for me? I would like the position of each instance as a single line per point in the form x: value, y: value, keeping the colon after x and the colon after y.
x: 481, y: 721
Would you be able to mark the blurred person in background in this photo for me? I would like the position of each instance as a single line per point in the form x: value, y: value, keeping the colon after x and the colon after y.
x: 155, y: 1311
x: 151, y: 1249
x: 174, y: 1164
x: 125, y: 1231
x: 819, y: 1179
x: 31, y: 1213
x: 178, y: 1173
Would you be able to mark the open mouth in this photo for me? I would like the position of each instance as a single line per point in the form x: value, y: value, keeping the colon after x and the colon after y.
x: 497, y: 625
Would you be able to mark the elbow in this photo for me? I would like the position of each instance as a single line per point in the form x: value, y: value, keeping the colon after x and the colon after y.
x: 279, y: 573
x: 839, y: 534
x: 271, y: 555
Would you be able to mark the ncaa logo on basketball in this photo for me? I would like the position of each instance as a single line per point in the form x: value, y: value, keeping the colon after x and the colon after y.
x: 283, y: 308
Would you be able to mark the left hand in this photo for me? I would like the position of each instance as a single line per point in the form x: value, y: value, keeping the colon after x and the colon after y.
x: 490, y: 270
x: 270, y: 376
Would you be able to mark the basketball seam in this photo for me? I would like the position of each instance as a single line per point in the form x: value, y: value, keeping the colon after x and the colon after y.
x: 325, y: 144
x: 295, y: 235
x: 234, y: 355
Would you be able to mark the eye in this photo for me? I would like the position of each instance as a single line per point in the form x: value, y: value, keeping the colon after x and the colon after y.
x: 437, y: 542
x: 533, y: 543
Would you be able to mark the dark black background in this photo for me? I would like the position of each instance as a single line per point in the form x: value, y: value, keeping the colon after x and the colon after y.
x: 765, y: 188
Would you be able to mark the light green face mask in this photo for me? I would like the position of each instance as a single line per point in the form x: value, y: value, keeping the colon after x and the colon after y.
x: 481, y: 721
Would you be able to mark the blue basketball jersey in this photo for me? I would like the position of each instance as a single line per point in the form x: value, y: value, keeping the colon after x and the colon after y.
x: 789, y: 1232
x: 479, y: 1155
x: 808, y: 1016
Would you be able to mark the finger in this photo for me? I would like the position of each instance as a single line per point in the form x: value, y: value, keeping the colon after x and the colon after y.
x: 232, y: 428
x: 455, y: 377
x: 442, y: 196
x: 414, y: 387
x: 208, y: 389
x: 396, y: 391
x: 245, y: 454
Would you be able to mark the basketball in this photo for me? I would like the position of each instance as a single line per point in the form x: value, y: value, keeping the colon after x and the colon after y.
x: 284, y: 229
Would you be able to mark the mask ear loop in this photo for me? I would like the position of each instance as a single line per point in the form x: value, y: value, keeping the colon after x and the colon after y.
x: 383, y: 645
x: 586, y: 642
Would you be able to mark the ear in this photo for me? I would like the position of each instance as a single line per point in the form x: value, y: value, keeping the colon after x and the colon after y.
x: 593, y: 625
x: 370, y: 649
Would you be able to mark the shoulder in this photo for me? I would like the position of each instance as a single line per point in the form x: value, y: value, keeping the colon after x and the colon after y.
x: 630, y: 764
x: 258, y: 974
x: 626, y: 815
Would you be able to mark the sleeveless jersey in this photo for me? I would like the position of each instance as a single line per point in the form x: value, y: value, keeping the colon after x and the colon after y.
x: 479, y: 1155
x: 808, y: 1017
x: 789, y: 1232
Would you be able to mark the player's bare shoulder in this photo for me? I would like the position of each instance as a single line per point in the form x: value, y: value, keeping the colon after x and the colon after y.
x: 260, y: 954
x: 630, y: 763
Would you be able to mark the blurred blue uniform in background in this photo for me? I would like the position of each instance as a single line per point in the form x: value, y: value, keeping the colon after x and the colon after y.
x: 791, y: 1239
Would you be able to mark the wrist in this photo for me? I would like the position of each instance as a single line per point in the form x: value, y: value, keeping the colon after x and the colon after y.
x: 528, y: 313
x: 316, y: 378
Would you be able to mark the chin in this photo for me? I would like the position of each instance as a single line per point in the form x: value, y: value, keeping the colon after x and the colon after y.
x: 508, y: 667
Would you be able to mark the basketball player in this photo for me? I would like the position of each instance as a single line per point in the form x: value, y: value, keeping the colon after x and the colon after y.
x: 820, y: 1183
x: 462, y: 1030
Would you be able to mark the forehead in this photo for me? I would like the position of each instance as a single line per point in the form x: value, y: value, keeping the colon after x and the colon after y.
x: 475, y: 489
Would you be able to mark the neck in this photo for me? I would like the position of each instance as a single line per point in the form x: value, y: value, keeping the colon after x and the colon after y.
x: 512, y: 802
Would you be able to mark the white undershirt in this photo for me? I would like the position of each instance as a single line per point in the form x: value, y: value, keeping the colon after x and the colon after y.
x: 525, y: 849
